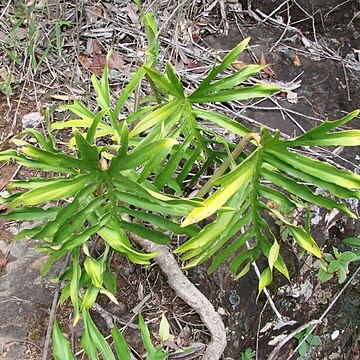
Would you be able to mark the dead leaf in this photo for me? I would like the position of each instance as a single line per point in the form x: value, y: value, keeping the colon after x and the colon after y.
x: 237, y: 64
x: 2, y: 263
x: 171, y: 344
x: 65, y: 97
x: 93, y: 12
x: 3, y: 74
x: 131, y: 13
x: 297, y: 60
x: 306, y: 42
x: 84, y: 61
x: 183, y: 338
x: 196, y: 66
x: 267, y: 70
x: 97, y: 48
x: 116, y: 61
x: 94, y: 64
x: 292, y: 97
x: 97, y: 11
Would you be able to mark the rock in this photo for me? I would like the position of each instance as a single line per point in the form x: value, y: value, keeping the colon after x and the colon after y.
x: 32, y: 120
x: 24, y: 299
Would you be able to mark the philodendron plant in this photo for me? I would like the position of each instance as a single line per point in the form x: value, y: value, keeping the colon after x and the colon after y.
x: 117, y: 179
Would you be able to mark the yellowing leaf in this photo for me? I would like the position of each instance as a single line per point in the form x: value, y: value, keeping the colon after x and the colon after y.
x: 273, y: 254
x: 305, y: 240
x: 164, y: 330
x: 239, y: 177
x: 93, y: 268
x: 265, y: 280
x: 57, y: 190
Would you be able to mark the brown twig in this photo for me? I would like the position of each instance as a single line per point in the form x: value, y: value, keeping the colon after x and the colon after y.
x: 187, y: 291
x: 290, y: 336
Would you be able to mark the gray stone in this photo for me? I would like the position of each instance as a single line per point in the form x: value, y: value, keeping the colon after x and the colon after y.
x: 24, y: 299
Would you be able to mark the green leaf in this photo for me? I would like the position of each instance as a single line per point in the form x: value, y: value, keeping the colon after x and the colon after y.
x: 66, y: 212
x: 246, y: 93
x: 83, y: 123
x: 153, y: 43
x: 94, y: 125
x: 145, y: 336
x: 160, y: 80
x: 320, y: 136
x: 121, y: 348
x: 129, y: 88
x: 146, y: 233
x: 354, y: 241
x: 61, y: 346
x: 227, y: 252
x: 47, y: 144
x: 61, y: 189
x: 159, y: 221
x: 50, y: 260
x: 90, y: 297
x: 124, y: 139
x: 217, y: 232
x: 89, y: 153
x: 157, y: 116
x: 94, y: 270
x: 169, y: 170
x: 74, y: 285
x: 79, y: 109
x: 8, y: 155
x: 223, y: 121
x: 118, y: 240
x: 236, y: 79
x: 102, y: 90
x: 95, y: 336
x: 31, y: 213
x: 265, y: 280
x: 78, y: 239
x: 139, y: 156
x: 316, y: 168
x: 324, y: 276
x: 278, y: 197
x: 346, y: 257
x: 74, y: 224
x: 46, y: 157
x: 337, y: 190
x: 174, y: 81
x: 228, y: 60
x: 304, y: 192
x: 241, y: 257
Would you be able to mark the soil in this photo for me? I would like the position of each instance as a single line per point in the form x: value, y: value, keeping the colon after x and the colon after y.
x: 329, y: 88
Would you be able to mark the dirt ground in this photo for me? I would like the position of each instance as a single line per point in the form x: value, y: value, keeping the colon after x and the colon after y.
x: 312, y: 45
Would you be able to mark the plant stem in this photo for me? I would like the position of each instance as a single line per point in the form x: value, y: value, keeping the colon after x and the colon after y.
x: 189, y: 293
x: 223, y: 167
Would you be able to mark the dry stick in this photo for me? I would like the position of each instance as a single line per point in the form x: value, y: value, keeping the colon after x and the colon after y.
x: 290, y: 336
x: 222, y: 168
x: 189, y: 293
x: 321, y: 318
x: 285, y: 29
